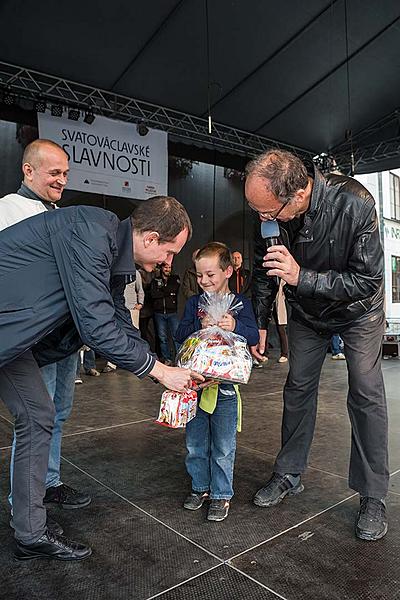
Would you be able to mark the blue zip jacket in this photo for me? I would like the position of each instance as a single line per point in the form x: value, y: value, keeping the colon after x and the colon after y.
x: 246, y: 325
x: 62, y: 279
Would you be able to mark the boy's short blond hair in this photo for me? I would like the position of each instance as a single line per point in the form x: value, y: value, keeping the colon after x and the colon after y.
x: 216, y: 249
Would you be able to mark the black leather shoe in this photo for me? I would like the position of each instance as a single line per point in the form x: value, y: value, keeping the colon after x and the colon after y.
x: 52, y: 546
x: 66, y: 497
x: 371, y: 523
x: 51, y: 524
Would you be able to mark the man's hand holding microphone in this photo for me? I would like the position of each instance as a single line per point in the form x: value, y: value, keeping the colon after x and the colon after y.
x: 278, y: 260
x: 281, y: 265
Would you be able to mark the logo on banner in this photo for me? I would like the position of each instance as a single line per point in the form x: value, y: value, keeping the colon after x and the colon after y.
x: 103, y: 183
x: 150, y: 190
x: 126, y: 187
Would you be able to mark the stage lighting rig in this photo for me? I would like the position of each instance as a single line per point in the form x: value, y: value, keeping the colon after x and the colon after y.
x: 142, y: 128
x: 8, y: 97
x: 56, y: 110
x: 74, y: 114
x: 89, y: 116
x: 40, y: 105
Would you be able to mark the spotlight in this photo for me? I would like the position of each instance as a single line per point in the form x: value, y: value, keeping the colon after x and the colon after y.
x: 142, y: 128
x: 8, y: 98
x: 74, y: 114
x: 56, y: 110
x: 40, y: 106
x: 89, y: 117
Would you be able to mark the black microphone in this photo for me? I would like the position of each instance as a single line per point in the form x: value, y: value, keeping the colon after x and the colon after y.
x: 270, y: 233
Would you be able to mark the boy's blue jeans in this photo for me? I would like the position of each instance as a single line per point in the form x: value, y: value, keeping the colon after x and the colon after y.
x: 211, y: 446
x: 59, y: 378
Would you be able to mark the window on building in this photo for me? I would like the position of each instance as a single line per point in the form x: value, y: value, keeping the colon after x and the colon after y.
x: 395, y: 279
x: 394, y: 196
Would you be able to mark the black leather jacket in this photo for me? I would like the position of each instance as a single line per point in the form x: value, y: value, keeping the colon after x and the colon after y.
x: 164, y: 293
x: 338, y: 248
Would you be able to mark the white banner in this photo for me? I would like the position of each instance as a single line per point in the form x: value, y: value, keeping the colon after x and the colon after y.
x: 110, y: 157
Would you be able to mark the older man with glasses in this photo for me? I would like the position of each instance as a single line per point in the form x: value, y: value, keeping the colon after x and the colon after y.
x: 331, y: 259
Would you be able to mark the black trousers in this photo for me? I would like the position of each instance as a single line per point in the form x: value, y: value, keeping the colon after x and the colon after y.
x: 24, y: 393
x: 366, y: 402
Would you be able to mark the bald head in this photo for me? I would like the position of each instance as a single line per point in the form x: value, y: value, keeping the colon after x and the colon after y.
x: 237, y: 260
x: 35, y: 151
x: 45, y: 168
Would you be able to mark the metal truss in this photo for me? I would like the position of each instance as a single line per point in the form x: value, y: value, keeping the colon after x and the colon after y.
x: 35, y: 86
x: 390, y: 120
x: 367, y: 156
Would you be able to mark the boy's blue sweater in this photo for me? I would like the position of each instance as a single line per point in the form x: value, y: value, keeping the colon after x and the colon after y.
x: 246, y: 325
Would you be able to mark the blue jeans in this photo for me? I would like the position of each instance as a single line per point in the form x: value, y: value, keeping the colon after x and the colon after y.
x: 336, y: 344
x: 59, y: 379
x: 211, y: 446
x: 166, y: 323
x: 89, y: 360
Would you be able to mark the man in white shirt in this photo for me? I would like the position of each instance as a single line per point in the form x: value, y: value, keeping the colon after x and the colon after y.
x: 45, y: 169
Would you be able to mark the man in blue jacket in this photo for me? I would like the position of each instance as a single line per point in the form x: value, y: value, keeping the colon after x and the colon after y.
x: 62, y: 275
x: 45, y: 169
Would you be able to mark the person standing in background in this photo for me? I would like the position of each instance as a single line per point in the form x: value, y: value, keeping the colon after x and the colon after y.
x: 189, y: 282
x: 146, y: 315
x: 337, y: 347
x: 164, y: 293
x: 240, y: 280
x: 279, y: 314
x: 134, y: 299
x: 88, y: 358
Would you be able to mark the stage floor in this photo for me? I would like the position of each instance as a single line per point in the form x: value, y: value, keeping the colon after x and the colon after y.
x: 145, y: 545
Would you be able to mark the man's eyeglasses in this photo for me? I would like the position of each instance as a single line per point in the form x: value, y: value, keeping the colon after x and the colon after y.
x: 272, y: 216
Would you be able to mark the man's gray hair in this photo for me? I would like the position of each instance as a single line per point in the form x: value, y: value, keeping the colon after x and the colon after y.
x: 283, y: 171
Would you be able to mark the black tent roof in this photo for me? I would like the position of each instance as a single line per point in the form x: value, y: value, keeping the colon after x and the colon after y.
x: 298, y: 72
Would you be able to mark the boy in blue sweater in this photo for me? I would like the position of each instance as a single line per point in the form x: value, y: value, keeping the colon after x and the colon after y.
x: 211, y: 435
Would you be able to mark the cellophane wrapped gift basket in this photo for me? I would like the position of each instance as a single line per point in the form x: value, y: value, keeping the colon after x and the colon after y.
x: 215, y: 353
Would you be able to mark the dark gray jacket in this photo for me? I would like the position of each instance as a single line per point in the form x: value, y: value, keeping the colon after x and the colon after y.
x: 340, y: 256
x: 62, y: 278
